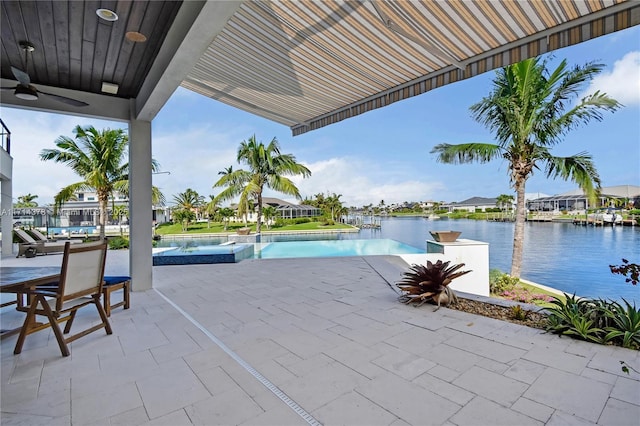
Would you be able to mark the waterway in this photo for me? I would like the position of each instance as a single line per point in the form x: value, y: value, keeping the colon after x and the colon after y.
x: 573, y: 259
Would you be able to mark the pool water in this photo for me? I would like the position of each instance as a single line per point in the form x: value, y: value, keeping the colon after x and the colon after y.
x: 333, y: 248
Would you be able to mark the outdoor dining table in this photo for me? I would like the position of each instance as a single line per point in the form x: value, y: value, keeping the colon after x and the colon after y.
x: 19, y: 279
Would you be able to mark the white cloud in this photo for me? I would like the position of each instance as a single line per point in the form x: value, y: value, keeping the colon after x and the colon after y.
x: 30, y: 134
x: 359, y: 186
x: 623, y: 82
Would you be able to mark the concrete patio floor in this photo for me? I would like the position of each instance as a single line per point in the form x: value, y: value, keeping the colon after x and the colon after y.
x: 306, y: 341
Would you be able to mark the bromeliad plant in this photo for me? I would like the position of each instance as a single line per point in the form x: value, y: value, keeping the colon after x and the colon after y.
x: 430, y: 283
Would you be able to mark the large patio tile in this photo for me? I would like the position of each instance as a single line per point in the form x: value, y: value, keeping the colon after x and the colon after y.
x: 357, y: 357
x: 229, y: 408
x: 620, y: 413
x: 490, y: 385
x: 301, y: 343
x: 481, y: 411
x: 560, y: 360
x: 136, y: 416
x: 353, y: 409
x: 486, y: 348
x: 319, y: 387
x: 447, y: 390
x: 628, y: 390
x: 176, y: 387
x: 18, y: 419
x: 573, y: 394
x: 102, y: 405
x: 448, y: 356
x: 178, y: 417
x: 416, y: 340
x: 279, y: 415
x: 525, y: 371
x: 404, y: 364
x: 408, y: 401
x: 532, y: 409
x: 560, y: 418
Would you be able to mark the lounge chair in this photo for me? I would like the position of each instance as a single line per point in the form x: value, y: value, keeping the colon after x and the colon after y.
x: 40, y: 237
x: 41, y: 247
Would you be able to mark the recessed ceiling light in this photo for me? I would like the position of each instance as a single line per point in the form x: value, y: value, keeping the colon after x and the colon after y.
x: 107, y: 15
x: 136, y: 37
x: 111, y: 88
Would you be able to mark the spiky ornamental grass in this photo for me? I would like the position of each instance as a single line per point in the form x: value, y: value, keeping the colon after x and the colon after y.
x: 430, y: 283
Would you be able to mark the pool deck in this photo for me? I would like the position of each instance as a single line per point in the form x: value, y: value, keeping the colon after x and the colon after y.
x: 306, y: 341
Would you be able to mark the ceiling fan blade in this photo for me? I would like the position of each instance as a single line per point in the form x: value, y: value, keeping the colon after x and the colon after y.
x: 8, y: 88
x: 21, y: 76
x: 64, y: 99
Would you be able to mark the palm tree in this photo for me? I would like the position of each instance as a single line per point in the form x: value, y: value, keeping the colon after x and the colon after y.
x: 118, y: 211
x: 504, y: 200
x: 26, y: 201
x: 269, y: 213
x: 98, y: 158
x: 188, y: 201
x: 268, y: 168
x: 530, y: 112
x: 211, y: 208
x: 226, y: 213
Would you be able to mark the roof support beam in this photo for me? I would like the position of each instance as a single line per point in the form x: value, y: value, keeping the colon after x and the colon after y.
x: 195, y: 27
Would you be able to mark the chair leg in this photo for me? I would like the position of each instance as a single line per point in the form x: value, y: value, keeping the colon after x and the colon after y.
x: 31, y: 313
x: 62, y: 343
x: 67, y: 327
x: 103, y: 315
x: 106, y: 294
x: 126, y: 289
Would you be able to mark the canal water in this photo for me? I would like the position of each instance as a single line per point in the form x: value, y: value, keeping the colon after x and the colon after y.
x: 570, y: 258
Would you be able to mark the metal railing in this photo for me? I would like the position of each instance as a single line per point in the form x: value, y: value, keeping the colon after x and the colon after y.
x: 5, y: 137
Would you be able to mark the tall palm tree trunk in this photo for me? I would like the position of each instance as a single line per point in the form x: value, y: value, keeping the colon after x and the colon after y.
x: 103, y: 201
x: 518, y: 233
x: 259, y: 218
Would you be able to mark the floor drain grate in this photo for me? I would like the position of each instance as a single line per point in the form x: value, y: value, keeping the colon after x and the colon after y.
x: 273, y: 388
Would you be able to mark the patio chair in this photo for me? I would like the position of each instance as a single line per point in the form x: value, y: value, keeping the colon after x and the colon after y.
x: 111, y: 284
x: 41, y: 247
x: 80, y: 285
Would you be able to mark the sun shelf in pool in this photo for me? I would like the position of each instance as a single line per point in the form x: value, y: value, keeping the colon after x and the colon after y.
x: 203, y: 254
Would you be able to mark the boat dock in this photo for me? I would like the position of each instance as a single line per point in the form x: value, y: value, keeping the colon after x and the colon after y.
x: 599, y: 222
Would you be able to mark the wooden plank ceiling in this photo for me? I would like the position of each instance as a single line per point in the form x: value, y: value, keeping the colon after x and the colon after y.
x: 307, y: 64
x: 75, y: 49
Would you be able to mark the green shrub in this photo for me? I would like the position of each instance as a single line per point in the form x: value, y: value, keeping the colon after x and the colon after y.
x: 500, y: 282
x: 595, y: 320
x: 117, y: 243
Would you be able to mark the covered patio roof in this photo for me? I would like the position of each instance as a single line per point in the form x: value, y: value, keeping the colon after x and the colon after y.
x: 305, y: 64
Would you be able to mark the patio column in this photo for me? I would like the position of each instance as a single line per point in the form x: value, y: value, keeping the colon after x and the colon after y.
x: 6, y: 201
x: 140, y: 207
x: 6, y: 217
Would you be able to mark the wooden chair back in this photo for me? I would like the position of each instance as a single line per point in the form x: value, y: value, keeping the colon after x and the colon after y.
x: 82, y: 271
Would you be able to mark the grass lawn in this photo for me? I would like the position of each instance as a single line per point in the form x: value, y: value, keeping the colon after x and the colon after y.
x: 218, y: 227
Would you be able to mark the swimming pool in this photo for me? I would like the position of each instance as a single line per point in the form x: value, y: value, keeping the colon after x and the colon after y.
x: 191, y: 252
x: 333, y: 248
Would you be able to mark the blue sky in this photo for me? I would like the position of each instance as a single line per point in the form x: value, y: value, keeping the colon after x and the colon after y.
x: 381, y: 155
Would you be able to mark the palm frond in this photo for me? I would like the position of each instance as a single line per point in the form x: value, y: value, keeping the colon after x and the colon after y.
x: 466, y: 153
